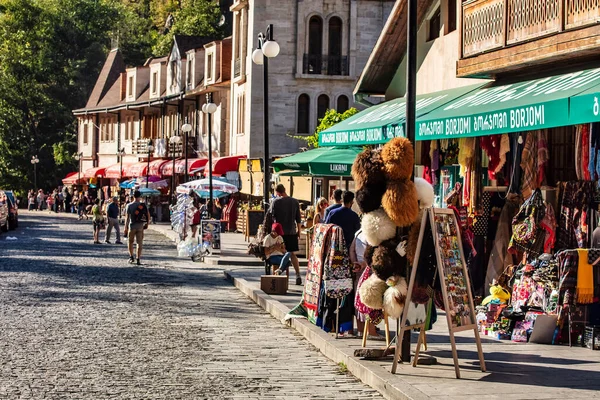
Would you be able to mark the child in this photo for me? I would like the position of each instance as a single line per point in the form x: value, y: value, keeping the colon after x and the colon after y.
x: 275, y: 249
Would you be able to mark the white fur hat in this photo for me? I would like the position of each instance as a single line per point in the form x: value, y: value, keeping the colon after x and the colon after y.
x: 371, y: 292
x: 377, y: 227
x: 424, y: 193
x: 394, y: 298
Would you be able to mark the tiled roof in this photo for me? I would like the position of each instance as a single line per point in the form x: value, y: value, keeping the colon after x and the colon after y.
x: 185, y: 43
x: 109, y: 76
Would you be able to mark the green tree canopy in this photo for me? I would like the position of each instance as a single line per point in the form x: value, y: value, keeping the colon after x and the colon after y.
x: 330, y: 118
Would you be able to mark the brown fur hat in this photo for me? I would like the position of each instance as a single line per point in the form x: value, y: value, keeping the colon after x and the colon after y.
x: 400, y: 202
x: 369, y: 197
x: 369, y: 250
x: 367, y: 169
x: 371, y: 292
x: 398, y: 158
x: 387, y: 262
x: 394, y: 298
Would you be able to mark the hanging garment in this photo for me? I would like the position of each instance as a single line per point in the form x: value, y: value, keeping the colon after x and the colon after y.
x: 466, y: 152
x: 426, y: 160
x: 314, y: 273
x: 529, y: 165
x: 594, y: 151
x: 582, y: 199
x: 578, y: 145
x: 500, y: 258
x: 337, y: 271
x: 543, y: 156
x: 504, y: 149
x: 585, y: 279
x: 516, y: 150
x: 491, y: 145
x: 568, y: 261
x: 585, y: 152
x: 548, y: 224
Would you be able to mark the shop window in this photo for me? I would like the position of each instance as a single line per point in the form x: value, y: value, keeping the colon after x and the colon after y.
x: 561, y: 146
x: 342, y: 104
x: 334, y: 62
x: 435, y: 24
x: 451, y: 16
x: 322, y: 106
x: 303, y: 113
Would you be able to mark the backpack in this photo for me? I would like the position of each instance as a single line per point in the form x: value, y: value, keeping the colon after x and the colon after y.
x: 140, y: 214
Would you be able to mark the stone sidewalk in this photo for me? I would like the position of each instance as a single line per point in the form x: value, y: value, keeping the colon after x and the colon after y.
x: 514, y: 370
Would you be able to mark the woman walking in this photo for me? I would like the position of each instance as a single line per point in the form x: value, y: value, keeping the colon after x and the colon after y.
x: 97, y: 220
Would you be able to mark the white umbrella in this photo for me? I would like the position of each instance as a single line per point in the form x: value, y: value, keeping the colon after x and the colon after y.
x: 202, y: 185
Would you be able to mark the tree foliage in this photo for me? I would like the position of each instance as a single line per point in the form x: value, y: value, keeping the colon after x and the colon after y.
x: 330, y: 118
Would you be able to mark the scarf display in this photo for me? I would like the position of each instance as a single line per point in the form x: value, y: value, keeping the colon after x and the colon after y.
x: 314, y: 273
x: 529, y: 165
x: 337, y: 272
x: 585, y: 279
x: 585, y: 152
x: 491, y: 145
x: 594, y: 162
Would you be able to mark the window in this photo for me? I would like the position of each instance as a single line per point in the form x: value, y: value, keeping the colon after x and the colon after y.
x: 173, y: 68
x: 154, y: 83
x: 313, y: 60
x: 322, y: 106
x: 342, y: 104
x: 451, y: 16
x: 435, y: 24
x: 130, y: 87
x: 334, y: 62
x: 85, y: 133
x: 241, y: 105
x: 189, y: 74
x: 561, y: 146
x: 303, y: 113
x: 209, y: 67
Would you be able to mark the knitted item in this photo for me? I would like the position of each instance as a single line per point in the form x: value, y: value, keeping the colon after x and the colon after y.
x: 585, y: 279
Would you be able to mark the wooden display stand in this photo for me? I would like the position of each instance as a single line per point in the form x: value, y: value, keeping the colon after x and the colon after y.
x: 454, y: 279
x: 387, y: 331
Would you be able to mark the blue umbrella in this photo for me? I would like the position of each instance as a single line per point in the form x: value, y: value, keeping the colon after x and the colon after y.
x: 149, y: 192
x: 130, y: 184
x: 217, y: 194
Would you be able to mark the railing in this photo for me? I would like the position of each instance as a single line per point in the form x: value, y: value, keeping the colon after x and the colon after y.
x: 140, y: 146
x: 493, y: 24
x: 237, y: 67
x: 317, y: 64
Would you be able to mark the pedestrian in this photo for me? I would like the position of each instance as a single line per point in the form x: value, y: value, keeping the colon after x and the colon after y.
x: 31, y: 201
x: 275, y: 251
x: 57, y: 200
x: 337, y: 202
x: 345, y: 218
x: 81, y: 206
x: 112, y: 213
x: 286, y: 211
x: 321, y: 207
x: 40, y: 200
x: 97, y: 220
x: 136, y: 221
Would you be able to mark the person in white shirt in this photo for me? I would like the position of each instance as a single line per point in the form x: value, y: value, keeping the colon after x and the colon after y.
x: 275, y: 250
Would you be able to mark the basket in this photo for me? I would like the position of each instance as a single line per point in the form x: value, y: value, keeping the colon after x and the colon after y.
x: 591, y: 337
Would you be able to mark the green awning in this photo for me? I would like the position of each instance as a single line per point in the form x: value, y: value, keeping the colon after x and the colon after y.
x: 585, y: 107
x: 380, y: 123
x: 535, y: 104
x: 322, y: 161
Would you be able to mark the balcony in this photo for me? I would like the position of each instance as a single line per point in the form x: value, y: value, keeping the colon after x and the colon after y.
x: 316, y: 64
x: 497, y: 35
x: 140, y: 147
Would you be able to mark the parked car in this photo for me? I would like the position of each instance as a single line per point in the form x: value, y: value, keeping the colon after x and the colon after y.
x: 13, y: 210
x: 3, y: 211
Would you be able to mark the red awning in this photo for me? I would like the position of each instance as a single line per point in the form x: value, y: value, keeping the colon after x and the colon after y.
x: 71, y: 179
x: 156, y: 165
x: 97, y: 172
x: 114, y: 171
x: 196, y: 164
x: 166, y: 169
x: 136, y: 170
x: 223, y: 165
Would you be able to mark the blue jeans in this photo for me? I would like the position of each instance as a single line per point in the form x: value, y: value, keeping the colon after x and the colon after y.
x: 283, y: 261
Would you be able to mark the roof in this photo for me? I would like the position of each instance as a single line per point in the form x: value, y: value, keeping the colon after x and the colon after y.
x: 186, y: 43
x: 109, y: 75
x: 389, y: 50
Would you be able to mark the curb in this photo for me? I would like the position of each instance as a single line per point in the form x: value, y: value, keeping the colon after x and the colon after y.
x: 372, y: 375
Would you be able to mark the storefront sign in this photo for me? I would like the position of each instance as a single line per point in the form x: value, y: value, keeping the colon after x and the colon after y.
x: 342, y: 169
x: 585, y: 108
x: 362, y: 136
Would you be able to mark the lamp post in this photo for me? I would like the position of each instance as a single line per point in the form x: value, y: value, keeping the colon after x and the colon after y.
x: 209, y: 109
x: 121, y: 153
x: 78, y: 157
x: 174, y: 140
x: 186, y: 129
x: 150, y: 150
x: 35, y: 160
x: 267, y: 48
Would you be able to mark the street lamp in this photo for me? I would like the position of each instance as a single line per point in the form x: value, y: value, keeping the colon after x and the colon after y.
x: 209, y: 109
x: 267, y: 48
x: 35, y: 160
x: 121, y: 153
x: 78, y: 157
x: 150, y: 150
x: 186, y: 129
x: 174, y: 140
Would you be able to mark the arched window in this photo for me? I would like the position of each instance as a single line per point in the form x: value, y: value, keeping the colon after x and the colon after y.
x: 342, y: 103
x: 322, y: 106
x: 303, y: 113
x: 314, y: 57
x: 334, y: 64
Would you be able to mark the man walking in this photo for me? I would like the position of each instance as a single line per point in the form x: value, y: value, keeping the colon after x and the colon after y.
x: 136, y: 221
x: 345, y: 218
x: 286, y: 211
x: 337, y: 198
x: 112, y: 212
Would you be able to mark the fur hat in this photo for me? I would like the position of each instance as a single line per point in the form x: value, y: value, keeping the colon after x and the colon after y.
x: 400, y: 202
x: 367, y: 169
x: 387, y: 262
x: 377, y: 227
x: 424, y: 193
x: 398, y: 158
x: 371, y: 292
x: 394, y: 298
x: 413, y: 238
x: 369, y: 250
x: 369, y: 197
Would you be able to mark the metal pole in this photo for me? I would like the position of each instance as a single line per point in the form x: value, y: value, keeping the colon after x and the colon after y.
x: 148, y: 167
x: 267, y: 178
x: 185, y: 172
x: 35, y: 175
x: 210, y: 168
x: 411, y: 88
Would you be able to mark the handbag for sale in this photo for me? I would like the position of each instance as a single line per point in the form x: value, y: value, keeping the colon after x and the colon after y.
x: 525, y: 224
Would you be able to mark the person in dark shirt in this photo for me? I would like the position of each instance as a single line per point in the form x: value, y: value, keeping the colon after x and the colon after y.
x: 286, y: 211
x: 337, y: 198
x: 345, y: 218
x: 112, y: 212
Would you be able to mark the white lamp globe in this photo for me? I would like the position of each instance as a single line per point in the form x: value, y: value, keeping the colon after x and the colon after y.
x: 271, y: 48
x: 204, y: 108
x: 175, y: 139
x: 257, y: 57
x: 186, y: 127
x: 211, y: 108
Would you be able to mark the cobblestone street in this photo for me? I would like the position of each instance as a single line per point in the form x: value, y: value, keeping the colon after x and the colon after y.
x: 78, y: 322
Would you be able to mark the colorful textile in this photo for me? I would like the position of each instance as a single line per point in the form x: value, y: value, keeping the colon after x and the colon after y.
x: 585, y: 279
x: 504, y: 149
x: 585, y: 151
x: 314, y: 273
x: 363, y: 311
x: 491, y: 145
x: 548, y: 224
x: 543, y: 156
x: 567, y: 271
x: 529, y: 165
x: 578, y: 145
x: 466, y: 152
x: 594, y: 149
x: 337, y: 271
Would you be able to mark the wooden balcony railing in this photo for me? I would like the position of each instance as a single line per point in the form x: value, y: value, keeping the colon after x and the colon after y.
x: 493, y: 24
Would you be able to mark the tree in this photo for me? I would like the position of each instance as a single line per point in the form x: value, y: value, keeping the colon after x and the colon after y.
x: 330, y: 118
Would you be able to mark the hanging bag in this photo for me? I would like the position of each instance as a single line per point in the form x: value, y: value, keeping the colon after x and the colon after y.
x: 525, y: 224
